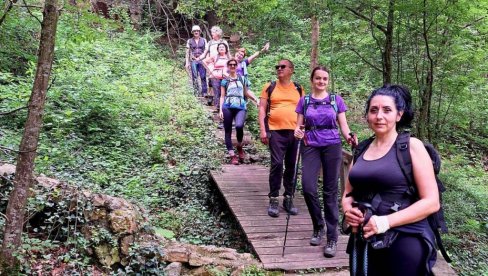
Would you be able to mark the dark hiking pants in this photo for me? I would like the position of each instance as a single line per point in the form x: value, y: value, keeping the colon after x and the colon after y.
x: 283, y: 149
x: 329, y: 158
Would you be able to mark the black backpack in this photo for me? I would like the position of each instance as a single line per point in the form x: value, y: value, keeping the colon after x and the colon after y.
x: 269, y: 90
x: 436, y: 220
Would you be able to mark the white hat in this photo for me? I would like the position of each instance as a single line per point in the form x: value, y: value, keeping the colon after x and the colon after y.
x: 195, y: 28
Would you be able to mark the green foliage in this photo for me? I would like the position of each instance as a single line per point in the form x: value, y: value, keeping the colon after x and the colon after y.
x: 466, y: 210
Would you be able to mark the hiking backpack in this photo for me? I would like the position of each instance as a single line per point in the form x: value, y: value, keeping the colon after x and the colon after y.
x: 436, y: 220
x: 306, y: 102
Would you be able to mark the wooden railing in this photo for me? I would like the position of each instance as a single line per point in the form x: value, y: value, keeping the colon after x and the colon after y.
x: 346, y: 161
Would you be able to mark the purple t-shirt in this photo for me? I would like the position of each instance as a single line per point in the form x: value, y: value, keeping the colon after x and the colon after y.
x: 240, y: 69
x: 321, y: 115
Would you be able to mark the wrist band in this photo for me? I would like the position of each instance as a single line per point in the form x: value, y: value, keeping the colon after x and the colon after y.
x: 381, y: 223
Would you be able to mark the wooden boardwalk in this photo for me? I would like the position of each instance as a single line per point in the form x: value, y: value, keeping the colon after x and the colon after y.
x: 245, y: 189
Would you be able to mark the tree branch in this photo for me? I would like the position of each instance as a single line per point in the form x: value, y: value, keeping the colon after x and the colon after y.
x: 12, y: 111
x: 7, y: 9
x: 373, y: 23
x: 17, y: 151
x: 28, y: 10
x: 366, y: 61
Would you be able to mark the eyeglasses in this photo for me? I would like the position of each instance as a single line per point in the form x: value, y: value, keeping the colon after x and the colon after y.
x: 232, y: 64
x: 280, y: 67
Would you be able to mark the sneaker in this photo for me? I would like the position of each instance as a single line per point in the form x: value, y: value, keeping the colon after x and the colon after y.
x: 234, y: 160
x: 330, y: 249
x: 220, y: 126
x: 242, y: 154
x: 317, y: 237
x: 273, y: 209
x: 288, y: 205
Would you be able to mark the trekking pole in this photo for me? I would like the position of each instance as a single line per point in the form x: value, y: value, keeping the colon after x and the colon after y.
x: 353, y: 262
x: 295, y: 174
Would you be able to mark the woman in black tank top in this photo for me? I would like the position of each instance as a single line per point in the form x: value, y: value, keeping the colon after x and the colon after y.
x: 407, y: 246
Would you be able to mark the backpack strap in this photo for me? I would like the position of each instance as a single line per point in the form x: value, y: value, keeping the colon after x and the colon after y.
x: 333, y: 102
x: 306, y: 101
x: 362, y: 147
x: 298, y: 87
x: 269, y: 90
x: 405, y: 161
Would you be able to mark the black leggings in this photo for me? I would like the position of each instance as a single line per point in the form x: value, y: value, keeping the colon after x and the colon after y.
x: 231, y: 114
x: 406, y: 256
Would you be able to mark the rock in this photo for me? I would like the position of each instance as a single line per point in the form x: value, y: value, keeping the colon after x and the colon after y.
x: 176, y: 254
x: 125, y: 244
x: 173, y: 269
x: 238, y: 271
x: 97, y: 214
x: 107, y: 255
x: 201, y: 271
x: 196, y: 259
x: 47, y: 182
x: 7, y: 169
x: 123, y: 221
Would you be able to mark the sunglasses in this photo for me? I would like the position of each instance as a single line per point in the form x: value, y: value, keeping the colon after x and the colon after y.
x: 232, y: 64
x: 280, y: 67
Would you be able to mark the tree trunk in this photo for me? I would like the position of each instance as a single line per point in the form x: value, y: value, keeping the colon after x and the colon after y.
x: 423, y: 131
x: 135, y: 11
x: 388, y: 51
x: 28, y: 146
x: 315, y: 42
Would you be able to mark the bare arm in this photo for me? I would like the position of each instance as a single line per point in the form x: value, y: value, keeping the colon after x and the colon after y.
x: 221, y: 101
x: 263, y: 105
x: 248, y: 93
x: 299, y: 133
x: 343, y: 125
x: 255, y: 55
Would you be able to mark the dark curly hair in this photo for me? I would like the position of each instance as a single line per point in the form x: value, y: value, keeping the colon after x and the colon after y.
x: 403, y: 102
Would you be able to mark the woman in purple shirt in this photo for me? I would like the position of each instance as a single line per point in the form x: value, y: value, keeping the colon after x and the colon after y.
x: 320, y: 119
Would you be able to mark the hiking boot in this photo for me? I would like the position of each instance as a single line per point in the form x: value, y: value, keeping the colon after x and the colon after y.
x: 288, y: 205
x: 330, y: 249
x: 317, y: 236
x: 242, y: 154
x: 234, y: 160
x: 273, y: 209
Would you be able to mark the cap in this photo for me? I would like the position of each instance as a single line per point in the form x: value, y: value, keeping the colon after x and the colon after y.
x: 195, y: 28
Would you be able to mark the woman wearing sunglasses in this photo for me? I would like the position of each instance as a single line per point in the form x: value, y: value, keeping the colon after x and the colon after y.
x: 233, y: 107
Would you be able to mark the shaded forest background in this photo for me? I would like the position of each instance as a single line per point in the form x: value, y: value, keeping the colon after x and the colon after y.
x: 120, y: 117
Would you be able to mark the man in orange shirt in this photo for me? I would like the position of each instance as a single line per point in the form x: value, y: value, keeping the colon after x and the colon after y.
x: 277, y: 124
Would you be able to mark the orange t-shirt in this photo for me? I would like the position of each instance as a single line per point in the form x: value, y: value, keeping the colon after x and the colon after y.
x: 284, y: 100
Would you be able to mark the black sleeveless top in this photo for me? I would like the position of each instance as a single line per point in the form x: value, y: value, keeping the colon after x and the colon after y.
x: 385, y: 177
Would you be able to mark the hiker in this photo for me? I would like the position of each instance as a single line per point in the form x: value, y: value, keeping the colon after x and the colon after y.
x: 218, y: 66
x: 376, y: 178
x: 320, y: 113
x: 233, y: 107
x: 277, y: 120
x: 244, y: 62
x: 195, y: 47
x: 212, y: 44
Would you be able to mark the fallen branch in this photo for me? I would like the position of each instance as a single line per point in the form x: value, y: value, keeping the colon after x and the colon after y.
x: 12, y: 111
